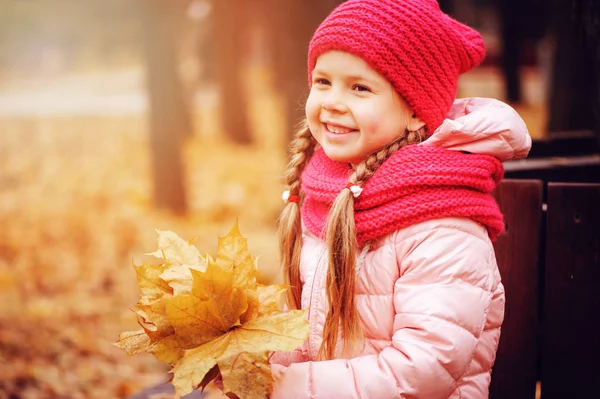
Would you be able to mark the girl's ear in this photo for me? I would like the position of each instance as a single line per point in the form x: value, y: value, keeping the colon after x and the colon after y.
x: 414, y: 123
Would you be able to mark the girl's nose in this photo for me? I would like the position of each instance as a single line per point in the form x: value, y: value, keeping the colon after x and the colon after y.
x: 333, y: 102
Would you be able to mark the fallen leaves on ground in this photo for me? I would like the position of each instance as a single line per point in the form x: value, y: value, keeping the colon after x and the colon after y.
x: 197, y: 312
x: 76, y: 207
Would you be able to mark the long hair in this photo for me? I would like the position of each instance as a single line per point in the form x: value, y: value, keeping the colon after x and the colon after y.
x: 342, y: 246
x: 341, y: 241
x: 290, y: 223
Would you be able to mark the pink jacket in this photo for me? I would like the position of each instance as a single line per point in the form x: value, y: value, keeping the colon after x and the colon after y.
x: 429, y: 295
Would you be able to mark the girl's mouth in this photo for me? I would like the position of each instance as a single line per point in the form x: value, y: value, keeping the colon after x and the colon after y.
x: 337, y: 130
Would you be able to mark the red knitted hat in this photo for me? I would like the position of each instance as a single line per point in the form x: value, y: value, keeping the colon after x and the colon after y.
x: 412, y: 43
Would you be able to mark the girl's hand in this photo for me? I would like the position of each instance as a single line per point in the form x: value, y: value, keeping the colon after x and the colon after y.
x: 277, y: 370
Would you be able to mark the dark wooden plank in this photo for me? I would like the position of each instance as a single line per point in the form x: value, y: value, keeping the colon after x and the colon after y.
x: 514, y: 373
x: 565, y: 144
x: 571, y: 346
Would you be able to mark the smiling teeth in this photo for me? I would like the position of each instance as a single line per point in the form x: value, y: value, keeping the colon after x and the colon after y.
x: 338, y: 130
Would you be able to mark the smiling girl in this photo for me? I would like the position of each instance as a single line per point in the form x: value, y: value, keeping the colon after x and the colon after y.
x: 386, y: 235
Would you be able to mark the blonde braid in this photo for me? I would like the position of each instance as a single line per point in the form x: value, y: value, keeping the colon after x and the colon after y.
x: 290, y: 221
x: 367, y: 168
x: 342, y: 245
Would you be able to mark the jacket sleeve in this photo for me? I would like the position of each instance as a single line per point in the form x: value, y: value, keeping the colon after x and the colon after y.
x: 441, y: 303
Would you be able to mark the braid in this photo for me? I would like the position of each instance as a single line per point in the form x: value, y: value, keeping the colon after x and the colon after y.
x: 367, y: 168
x: 290, y: 222
x: 301, y: 149
x: 342, y: 245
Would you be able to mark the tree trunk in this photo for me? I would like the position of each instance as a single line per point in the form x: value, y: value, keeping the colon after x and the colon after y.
x: 230, y: 33
x: 511, y: 49
x: 169, y: 120
x: 574, y: 77
x: 587, y: 19
x: 290, y: 25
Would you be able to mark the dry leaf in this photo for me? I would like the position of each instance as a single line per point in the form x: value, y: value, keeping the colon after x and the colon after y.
x: 175, y: 250
x: 134, y: 342
x: 212, y: 309
x: 151, y: 285
x: 283, y: 331
x: 246, y: 374
x: 203, y: 315
x: 271, y: 298
x: 232, y: 253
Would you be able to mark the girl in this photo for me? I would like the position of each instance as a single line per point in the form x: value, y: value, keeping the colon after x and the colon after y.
x: 386, y: 234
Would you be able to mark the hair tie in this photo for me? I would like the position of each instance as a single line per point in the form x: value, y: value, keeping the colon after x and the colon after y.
x: 287, y: 197
x: 356, y: 190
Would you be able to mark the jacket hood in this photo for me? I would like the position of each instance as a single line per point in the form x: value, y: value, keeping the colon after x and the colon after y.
x: 483, y: 126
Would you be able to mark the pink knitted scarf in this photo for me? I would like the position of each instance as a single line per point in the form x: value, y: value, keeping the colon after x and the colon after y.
x: 417, y: 183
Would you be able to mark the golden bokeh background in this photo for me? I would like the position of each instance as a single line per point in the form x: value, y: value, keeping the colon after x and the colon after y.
x: 78, y: 160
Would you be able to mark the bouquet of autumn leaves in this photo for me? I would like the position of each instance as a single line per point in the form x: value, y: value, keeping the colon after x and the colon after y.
x: 209, y: 317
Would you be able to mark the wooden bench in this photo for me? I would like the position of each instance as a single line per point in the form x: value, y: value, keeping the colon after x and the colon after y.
x: 549, y: 262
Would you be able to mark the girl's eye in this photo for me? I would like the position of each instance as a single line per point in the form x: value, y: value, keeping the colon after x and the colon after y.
x: 321, y: 81
x: 361, y: 88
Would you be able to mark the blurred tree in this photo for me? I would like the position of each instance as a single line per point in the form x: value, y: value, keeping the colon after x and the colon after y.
x: 230, y: 33
x: 289, y: 27
x: 587, y: 19
x: 575, y: 86
x: 66, y: 34
x: 519, y: 33
x: 169, y: 119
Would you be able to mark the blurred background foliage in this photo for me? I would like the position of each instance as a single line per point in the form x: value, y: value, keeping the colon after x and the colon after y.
x: 66, y: 34
x: 119, y: 117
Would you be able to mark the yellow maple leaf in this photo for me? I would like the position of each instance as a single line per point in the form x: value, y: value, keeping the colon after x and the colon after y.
x: 152, y: 287
x: 254, y: 339
x: 160, y: 339
x: 213, y: 308
x: 181, y: 257
x: 270, y: 298
x: 166, y: 349
x: 134, y: 341
x: 232, y: 251
x: 205, y: 316
x: 232, y: 254
x: 248, y: 374
x: 175, y: 250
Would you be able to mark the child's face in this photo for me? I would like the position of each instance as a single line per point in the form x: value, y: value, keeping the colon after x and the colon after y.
x: 352, y: 110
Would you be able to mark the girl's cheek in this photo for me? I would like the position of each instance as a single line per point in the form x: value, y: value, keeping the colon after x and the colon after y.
x: 312, y: 106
